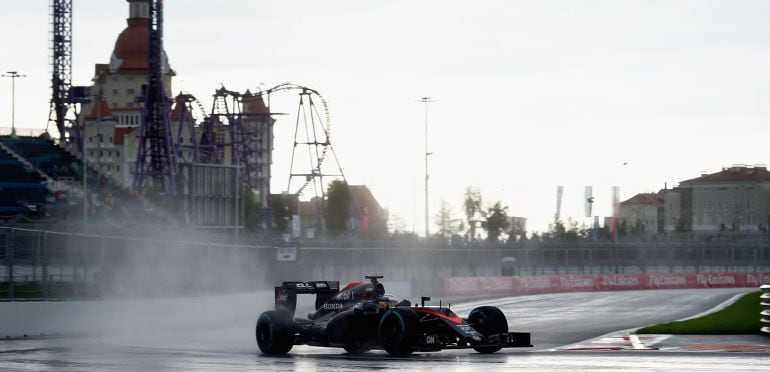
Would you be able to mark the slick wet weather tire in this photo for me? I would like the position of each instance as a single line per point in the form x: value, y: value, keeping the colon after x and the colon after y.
x: 275, y: 333
x: 488, y: 320
x: 398, y: 330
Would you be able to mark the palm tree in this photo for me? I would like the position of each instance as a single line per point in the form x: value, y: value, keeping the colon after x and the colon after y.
x: 471, y: 205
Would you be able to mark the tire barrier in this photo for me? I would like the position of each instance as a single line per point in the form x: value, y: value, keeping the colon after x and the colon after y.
x: 512, y: 285
x: 765, y: 314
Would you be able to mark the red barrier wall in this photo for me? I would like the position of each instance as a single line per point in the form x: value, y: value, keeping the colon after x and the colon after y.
x: 455, y: 286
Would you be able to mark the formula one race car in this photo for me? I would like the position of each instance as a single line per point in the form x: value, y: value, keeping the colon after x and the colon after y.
x: 362, y: 316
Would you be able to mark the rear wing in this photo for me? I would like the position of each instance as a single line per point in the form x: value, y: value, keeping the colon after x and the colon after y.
x: 286, y: 294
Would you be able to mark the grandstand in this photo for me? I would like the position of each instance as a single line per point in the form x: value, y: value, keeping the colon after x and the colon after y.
x: 22, y: 189
x: 50, y: 159
x: 41, y: 178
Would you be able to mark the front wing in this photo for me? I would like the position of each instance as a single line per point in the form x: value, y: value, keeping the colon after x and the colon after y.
x: 435, y: 342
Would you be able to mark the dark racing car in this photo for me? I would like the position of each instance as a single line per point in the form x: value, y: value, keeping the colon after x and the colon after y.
x: 361, y: 316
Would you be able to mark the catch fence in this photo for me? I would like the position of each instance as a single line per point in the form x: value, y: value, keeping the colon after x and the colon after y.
x: 49, y: 265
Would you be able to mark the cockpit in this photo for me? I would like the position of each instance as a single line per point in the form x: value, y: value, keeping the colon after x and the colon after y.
x: 388, y: 301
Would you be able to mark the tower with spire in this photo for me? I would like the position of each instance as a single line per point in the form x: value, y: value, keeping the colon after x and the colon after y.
x: 109, y: 123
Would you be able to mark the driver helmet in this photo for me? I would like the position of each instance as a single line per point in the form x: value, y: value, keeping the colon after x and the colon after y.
x: 387, y: 301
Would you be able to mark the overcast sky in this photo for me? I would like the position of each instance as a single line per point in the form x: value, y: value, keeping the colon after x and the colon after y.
x: 529, y: 95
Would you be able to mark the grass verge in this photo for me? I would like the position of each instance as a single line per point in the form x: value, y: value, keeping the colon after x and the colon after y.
x: 740, y: 318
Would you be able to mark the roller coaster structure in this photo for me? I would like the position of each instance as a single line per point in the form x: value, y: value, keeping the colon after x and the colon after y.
x: 238, y: 132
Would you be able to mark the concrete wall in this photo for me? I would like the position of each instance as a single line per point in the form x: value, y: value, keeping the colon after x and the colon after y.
x: 51, y: 318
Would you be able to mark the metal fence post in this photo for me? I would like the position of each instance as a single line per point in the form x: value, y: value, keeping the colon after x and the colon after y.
x: 44, y: 261
x: 73, y: 262
x: 765, y: 302
x: 701, y: 260
x: 9, y: 260
x: 37, y: 256
x: 755, y: 255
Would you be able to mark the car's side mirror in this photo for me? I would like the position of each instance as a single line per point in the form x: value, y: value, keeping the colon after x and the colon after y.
x: 423, y: 299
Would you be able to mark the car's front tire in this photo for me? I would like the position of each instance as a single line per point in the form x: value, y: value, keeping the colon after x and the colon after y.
x: 275, y: 333
x: 488, y: 320
x: 398, y: 330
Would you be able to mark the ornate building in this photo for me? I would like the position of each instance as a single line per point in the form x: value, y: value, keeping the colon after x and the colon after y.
x: 236, y: 143
x: 110, y: 120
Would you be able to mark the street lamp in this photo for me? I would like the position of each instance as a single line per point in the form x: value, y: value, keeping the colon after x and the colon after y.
x: 13, y: 75
x: 426, y: 101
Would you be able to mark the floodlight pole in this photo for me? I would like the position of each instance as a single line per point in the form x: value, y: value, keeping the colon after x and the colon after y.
x: 13, y: 75
x: 426, y: 101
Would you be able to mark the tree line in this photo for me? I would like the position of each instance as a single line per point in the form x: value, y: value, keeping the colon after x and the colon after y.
x: 337, y: 216
x: 491, y: 219
x: 334, y: 215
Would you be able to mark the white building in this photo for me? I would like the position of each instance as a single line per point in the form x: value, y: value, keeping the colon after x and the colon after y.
x: 643, y: 213
x: 672, y: 210
x: 736, y: 198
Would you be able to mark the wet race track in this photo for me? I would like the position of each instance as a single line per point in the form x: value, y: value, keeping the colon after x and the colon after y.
x: 556, y: 321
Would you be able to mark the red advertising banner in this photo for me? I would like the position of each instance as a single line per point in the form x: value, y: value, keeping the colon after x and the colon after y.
x: 454, y: 286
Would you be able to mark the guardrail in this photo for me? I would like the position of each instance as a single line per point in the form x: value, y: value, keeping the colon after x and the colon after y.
x: 765, y: 303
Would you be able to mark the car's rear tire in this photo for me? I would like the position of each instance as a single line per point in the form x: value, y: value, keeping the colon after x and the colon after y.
x: 275, y: 333
x: 488, y: 320
x: 398, y: 330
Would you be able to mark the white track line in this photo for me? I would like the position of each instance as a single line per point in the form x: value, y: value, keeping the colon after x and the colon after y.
x: 636, y: 342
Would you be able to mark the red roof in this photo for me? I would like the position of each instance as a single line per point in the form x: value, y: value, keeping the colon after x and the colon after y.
x: 644, y: 199
x: 120, y: 134
x: 310, y: 208
x: 133, y: 44
x: 176, y: 112
x: 254, y: 104
x: 364, y: 199
x: 734, y: 174
x: 100, y: 70
x: 100, y: 109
